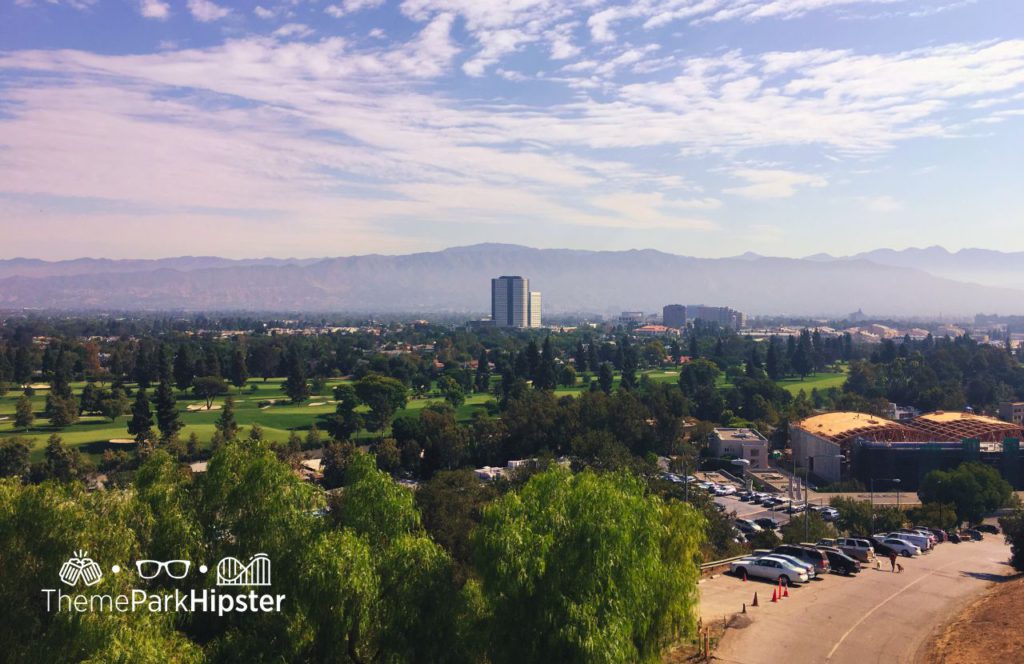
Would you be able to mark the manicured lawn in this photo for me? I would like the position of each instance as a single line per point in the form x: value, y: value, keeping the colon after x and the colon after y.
x: 821, y: 381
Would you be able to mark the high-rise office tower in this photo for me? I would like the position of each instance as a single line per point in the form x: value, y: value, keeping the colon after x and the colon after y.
x: 673, y: 315
x: 512, y: 303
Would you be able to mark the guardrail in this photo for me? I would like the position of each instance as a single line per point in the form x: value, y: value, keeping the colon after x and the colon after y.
x: 716, y: 566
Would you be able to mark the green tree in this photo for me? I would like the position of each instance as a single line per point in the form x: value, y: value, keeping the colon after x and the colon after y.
x: 208, y: 388
x: 167, y: 419
x: 605, y: 377
x: 629, y: 365
x: 184, y: 367
x: 113, y: 404
x: 62, y: 463
x: 580, y: 568
x: 141, y: 423
x: 808, y: 526
x: 385, y: 396
x: 1013, y: 532
x: 482, y: 380
x: 935, y: 515
x: 345, y: 422
x: 295, y: 385
x: 546, y: 375
x: 226, y: 424
x: 62, y: 411
x: 14, y: 457
x: 451, y: 391
x: 23, y: 413
x: 239, y: 369
x: 974, y: 488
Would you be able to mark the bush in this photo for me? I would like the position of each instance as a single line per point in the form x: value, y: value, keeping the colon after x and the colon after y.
x: 1013, y: 531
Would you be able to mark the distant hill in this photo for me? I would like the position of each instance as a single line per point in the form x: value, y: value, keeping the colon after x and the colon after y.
x: 980, y: 266
x: 457, y: 280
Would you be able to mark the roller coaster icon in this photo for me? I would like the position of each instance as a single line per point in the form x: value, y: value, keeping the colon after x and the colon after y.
x: 232, y: 572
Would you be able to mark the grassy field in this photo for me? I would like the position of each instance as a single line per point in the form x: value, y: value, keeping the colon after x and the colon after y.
x: 93, y: 433
x: 821, y: 381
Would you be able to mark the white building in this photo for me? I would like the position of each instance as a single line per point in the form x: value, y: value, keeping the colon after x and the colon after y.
x: 740, y: 443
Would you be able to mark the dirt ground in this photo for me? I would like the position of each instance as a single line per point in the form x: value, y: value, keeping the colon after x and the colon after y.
x: 986, y: 631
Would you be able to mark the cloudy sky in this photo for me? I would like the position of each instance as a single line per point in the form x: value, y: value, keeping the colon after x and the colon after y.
x: 146, y: 128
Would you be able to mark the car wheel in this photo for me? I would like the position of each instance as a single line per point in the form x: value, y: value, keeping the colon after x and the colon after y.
x: 741, y: 572
x: 905, y: 553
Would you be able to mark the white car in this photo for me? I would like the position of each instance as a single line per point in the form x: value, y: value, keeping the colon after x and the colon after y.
x: 932, y: 541
x: 792, y: 560
x: 746, y: 525
x: 769, y: 567
x: 902, y: 547
x: 918, y: 540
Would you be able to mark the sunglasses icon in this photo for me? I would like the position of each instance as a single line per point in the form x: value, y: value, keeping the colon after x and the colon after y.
x: 176, y: 569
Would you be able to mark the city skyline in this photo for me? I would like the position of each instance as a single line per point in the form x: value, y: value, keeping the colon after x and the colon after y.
x: 152, y: 128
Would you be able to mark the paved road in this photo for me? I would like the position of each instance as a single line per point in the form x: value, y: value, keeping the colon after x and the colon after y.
x: 876, y: 616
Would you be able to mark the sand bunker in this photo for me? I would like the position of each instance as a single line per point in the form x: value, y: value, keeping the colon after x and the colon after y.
x: 121, y: 441
x: 318, y: 403
x: 40, y: 386
x: 194, y: 407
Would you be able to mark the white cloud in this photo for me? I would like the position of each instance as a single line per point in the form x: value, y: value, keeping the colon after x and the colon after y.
x: 206, y: 11
x: 773, y: 183
x: 352, y: 6
x: 882, y: 204
x: 263, y: 13
x: 293, y: 30
x: 155, y: 9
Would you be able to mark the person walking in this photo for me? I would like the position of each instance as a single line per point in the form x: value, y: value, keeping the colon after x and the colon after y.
x: 892, y: 560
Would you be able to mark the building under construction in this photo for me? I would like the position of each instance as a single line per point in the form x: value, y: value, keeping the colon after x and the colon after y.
x: 847, y: 445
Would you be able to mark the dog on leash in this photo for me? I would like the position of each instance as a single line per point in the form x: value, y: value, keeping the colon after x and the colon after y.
x: 899, y: 568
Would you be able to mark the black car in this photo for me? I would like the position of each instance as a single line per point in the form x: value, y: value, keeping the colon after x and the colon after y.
x: 840, y: 562
x: 767, y: 523
x: 807, y: 554
x: 974, y: 533
x: 954, y: 537
x: 987, y: 528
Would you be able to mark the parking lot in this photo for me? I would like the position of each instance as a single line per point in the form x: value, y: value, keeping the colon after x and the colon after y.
x: 873, y: 616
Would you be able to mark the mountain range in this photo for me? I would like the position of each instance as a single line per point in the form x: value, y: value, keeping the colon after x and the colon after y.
x: 912, y: 282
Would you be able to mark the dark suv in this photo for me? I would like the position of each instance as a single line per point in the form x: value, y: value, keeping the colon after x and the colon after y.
x: 808, y: 554
x: 840, y: 562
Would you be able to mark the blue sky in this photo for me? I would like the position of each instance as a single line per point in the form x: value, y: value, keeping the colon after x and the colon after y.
x: 147, y: 128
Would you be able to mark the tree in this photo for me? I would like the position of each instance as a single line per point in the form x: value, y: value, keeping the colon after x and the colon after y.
x: 89, y: 402
x: 808, y: 526
x: 545, y: 377
x: 14, y: 457
x: 167, y: 419
x: 773, y: 363
x: 629, y: 365
x: 208, y: 388
x: 141, y: 423
x: 295, y: 385
x: 184, y: 367
x: 974, y: 488
x: 384, y: 396
x: 605, y: 377
x: 580, y: 357
x: 451, y: 391
x: 239, y: 370
x: 935, y: 515
x: 451, y: 505
x: 1013, y: 532
x: 63, y: 464
x: 482, y: 380
x: 346, y: 421
x: 226, y: 425
x: 23, y: 414
x: 582, y: 567
x: 803, y: 356
x: 113, y: 404
x: 389, y: 458
x: 61, y: 411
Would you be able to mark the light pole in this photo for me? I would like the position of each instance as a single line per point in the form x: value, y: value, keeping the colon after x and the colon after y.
x: 894, y: 480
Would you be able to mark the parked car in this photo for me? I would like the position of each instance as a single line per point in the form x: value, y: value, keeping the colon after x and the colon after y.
x: 806, y: 553
x: 769, y: 567
x: 744, y: 495
x: 839, y: 561
x: 829, y: 513
x: 881, y: 548
x: 856, y: 547
x: 767, y: 523
x: 902, y: 547
x: 920, y: 541
x: 940, y: 534
x: 923, y: 532
x: 974, y: 533
x: 954, y: 537
x: 800, y: 564
x: 795, y: 508
x: 987, y: 528
x: 747, y: 526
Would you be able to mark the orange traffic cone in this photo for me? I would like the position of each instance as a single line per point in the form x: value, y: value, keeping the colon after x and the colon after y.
x: 744, y: 576
x: 754, y: 603
x: 775, y: 595
x: 785, y: 591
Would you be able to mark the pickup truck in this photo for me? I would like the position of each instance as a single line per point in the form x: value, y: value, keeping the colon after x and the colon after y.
x: 769, y: 567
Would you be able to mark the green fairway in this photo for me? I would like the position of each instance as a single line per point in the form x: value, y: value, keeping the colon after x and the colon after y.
x: 821, y: 381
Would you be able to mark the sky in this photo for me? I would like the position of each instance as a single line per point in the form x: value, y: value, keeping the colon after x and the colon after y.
x: 304, y: 128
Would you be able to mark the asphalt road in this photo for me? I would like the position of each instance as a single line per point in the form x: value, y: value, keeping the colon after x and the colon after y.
x: 876, y: 616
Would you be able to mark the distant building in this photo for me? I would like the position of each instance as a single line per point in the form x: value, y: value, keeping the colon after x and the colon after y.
x: 512, y: 303
x: 1012, y: 411
x: 740, y: 443
x: 724, y: 316
x: 673, y: 315
x: 901, y: 413
x: 629, y: 317
x: 655, y: 331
